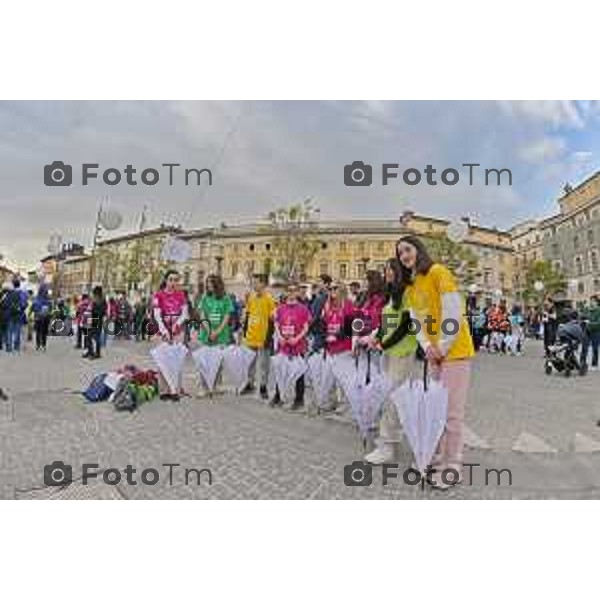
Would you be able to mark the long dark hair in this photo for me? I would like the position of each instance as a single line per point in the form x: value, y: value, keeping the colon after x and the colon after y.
x: 395, y: 289
x: 218, y: 287
x: 166, y: 276
x: 424, y: 260
x: 375, y: 285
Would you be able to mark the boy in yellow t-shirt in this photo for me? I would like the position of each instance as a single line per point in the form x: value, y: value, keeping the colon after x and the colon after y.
x: 258, y: 331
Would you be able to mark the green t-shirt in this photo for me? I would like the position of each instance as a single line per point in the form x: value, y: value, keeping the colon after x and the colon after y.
x: 593, y: 314
x: 215, y: 310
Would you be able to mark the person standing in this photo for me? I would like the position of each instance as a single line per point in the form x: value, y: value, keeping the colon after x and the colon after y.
x: 399, y: 346
x: 592, y: 317
x: 215, y: 310
x: 258, y: 333
x: 170, y: 311
x: 316, y: 305
x: 292, y: 322
x: 81, y: 310
x: 368, y: 312
x: 549, y: 322
x: 433, y: 299
x: 41, y: 308
x: 14, y: 305
x: 96, y: 324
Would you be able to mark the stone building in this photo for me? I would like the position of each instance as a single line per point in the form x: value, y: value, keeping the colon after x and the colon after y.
x: 571, y: 239
x: 347, y: 248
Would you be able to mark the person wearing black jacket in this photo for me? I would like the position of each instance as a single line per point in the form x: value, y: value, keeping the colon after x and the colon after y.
x: 92, y: 340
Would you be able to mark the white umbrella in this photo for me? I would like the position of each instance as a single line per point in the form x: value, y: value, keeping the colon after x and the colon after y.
x: 286, y: 371
x: 423, y: 409
x: 236, y: 364
x: 320, y: 370
x: 169, y: 359
x: 366, y: 389
x: 208, y: 361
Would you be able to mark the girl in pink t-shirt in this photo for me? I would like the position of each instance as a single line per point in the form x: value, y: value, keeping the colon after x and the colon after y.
x: 170, y: 312
x: 292, y: 321
x: 337, y: 311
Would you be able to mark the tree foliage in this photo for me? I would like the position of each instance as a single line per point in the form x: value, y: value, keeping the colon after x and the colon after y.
x: 459, y: 258
x: 295, y: 239
x: 542, y: 270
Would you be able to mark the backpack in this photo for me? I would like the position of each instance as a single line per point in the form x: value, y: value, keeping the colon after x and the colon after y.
x: 97, y: 391
x: 125, y: 399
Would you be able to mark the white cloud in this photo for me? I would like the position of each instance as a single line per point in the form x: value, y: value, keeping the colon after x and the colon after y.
x: 543, y: 149
x: 558, y: 113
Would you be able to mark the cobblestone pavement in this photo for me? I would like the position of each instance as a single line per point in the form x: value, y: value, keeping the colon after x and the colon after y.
x: 541, y: 428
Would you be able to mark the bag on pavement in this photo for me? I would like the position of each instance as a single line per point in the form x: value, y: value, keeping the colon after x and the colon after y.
x: 97, y: 390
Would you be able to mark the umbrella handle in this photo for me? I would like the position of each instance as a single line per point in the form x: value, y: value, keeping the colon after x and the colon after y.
x: 425, y: 369
x: 368, y: 378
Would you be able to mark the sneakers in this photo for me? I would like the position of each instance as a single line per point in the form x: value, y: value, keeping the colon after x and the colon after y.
x: 382, y: 454
x: 263, y: 392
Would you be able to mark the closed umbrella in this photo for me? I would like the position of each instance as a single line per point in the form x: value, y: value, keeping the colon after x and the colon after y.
x: 169, y: 359
x: 423, y: 410
x: 236, y: 364
x: 322, y: 377
x: 208, y: 360
x: 286, y: 372
x: 366, y: 389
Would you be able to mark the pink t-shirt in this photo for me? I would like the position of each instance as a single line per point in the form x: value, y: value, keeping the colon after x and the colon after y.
x: 372, y: 310
x: 171, y: 306
x: 334, y: 318
x: 291, y: 320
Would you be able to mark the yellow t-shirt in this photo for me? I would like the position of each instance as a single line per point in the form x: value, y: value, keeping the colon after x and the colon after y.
x: 424, y: 297
x: 259, y: 310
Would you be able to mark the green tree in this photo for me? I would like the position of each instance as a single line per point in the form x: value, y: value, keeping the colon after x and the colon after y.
x: 295, y: 240
x: 459, y: 258
x: 542, y: 270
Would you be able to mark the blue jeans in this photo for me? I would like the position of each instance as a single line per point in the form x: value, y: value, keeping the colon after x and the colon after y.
x: 594, y: 342
x: 12, y: 336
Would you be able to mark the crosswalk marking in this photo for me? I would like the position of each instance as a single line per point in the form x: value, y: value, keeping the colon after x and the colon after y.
x: 472, y: 440
x: 585, y: 444
x: 527, y: 442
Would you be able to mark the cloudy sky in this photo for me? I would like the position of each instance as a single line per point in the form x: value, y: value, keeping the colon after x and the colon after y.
x: 267, y: 154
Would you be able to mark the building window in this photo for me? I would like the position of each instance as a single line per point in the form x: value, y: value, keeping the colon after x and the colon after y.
x: 267, y: 247
x: 380, y: 247
x: 324, y: 246
x: 576, y: 242
x: 267, y: 266
x: 343, y: 247
x: 579, y: 266
x: 234, y: 268
x: 343, y: 270
x: 361, y: 269
x: 590, y: 236
x: 555, y: 249
x: 251, y: 247
x: 597, y: 285
x: 581, y: 287
x: 361, y: 248
x: 594, y: 260
x: 323, y: 268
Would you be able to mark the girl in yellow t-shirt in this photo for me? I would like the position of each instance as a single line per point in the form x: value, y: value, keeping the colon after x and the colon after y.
x: 435, y: 302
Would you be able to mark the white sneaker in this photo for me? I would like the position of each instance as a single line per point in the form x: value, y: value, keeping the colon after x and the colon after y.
x: 381, y: 454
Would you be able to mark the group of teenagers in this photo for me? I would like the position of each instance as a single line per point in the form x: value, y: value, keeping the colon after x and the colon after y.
x: 397, y: 319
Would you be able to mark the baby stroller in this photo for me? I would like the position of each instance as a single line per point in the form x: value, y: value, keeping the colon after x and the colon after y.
x: 562, y: 356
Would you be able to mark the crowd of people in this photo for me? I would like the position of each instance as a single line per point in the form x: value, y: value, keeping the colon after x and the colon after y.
x: 295, y: 319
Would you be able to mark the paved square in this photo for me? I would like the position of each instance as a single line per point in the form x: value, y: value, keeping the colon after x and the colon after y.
x: 541, y: 428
